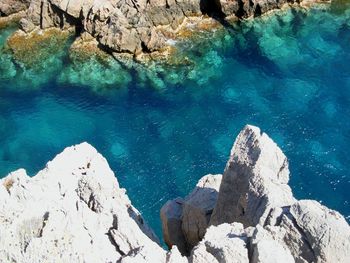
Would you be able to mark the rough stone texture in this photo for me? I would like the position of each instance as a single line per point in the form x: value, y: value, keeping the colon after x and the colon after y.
x: 326, y: 230
x: 198, y: 207
x: 184, y: 221
x: 72, y: 211
x: 170, y: 215
x: 254, y: 192
x: 132, y: 26
x: 174, y: 256
x: 291, y: 237
x: 75, y: 211
x: 266, y: 249
x: 255, y: 180
x: 224, y: 244
x: 8, y: 7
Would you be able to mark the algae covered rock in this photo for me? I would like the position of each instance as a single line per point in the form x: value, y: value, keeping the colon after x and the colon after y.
x: 131, y: 27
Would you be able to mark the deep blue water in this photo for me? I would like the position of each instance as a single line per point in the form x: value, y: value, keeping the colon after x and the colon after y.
x: 163, y: 127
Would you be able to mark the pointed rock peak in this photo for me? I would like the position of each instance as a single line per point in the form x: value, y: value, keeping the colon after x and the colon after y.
x: 255, y: 180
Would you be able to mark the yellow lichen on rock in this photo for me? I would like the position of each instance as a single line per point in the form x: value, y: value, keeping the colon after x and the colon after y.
x: 10, y: 20
x: 30, y: 49
x: 84, y: 47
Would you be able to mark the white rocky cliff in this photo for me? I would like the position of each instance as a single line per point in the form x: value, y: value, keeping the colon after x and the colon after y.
x: 255, y: 217
x: 75, y: 211
x: 72, y: 211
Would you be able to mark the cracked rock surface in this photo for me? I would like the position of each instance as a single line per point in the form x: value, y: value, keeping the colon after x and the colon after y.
x: 256, y: 218
x: 75, y: 211
x: 72, y: 211
x: 132, y: 26
x: 9, y: 7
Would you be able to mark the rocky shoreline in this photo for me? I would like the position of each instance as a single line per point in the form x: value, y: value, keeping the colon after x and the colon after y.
x: 139, y: 29
x: 75, y: 211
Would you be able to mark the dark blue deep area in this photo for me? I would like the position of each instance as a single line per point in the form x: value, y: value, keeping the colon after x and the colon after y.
x: 288, y: 73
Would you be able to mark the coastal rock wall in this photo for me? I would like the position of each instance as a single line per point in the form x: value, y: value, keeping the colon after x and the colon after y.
x: 256, y: 218
x: 74, y: 211
x: 135, y: 26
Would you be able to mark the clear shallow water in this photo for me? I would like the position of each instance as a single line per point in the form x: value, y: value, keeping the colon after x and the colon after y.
x: 164, y: 127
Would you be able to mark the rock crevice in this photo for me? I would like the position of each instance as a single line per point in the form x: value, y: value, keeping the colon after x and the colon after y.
x: 248, y: 214
x: 256, y: 216
x: 131, y: 26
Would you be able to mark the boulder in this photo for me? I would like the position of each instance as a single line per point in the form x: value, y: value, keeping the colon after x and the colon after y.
x: 171, y: 217
x: 198, y: 207
x: 184, y: 221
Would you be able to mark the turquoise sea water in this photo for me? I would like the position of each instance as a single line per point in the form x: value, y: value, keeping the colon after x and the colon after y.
x: 163, y: 127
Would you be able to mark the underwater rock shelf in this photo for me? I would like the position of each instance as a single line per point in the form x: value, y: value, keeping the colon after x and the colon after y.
x: 74, y: 210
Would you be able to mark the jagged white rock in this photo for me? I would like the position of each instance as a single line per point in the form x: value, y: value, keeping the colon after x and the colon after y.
x: 266, y: 249
x: 75, y: 211
x: 325, y: 230
x: 254, y: 192
x: 224, y: 243
x: 255, y: 180
x: 72, y: 211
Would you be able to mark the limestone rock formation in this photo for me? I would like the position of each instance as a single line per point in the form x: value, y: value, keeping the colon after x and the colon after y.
x: 265, y: 248
x: 224, y: 243
x: 325, y: 230
x: 72, y: 211
x: 75, y: 211
x: 184, y: 221
x: 8, y: 7
x: 131, y: 26
x: 255, y: 180
x: 198, y: 207
x: 257, y: 219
